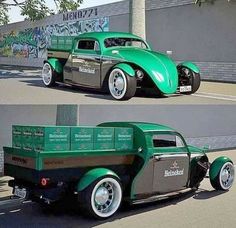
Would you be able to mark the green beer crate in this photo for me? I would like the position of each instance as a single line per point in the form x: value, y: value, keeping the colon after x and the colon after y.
x: 103, y: 138
x: 82, y: 138
x: 27, y: 142
x: 54, y: 138
x: 123, y: 138
x: 17, y: 141
x: 17, y: 129
x: 17, y: 136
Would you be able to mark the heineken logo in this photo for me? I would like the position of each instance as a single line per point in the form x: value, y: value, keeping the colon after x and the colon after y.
x: 86, y: 70
x: 83, y: 136
x: 53, y: 136
x: 124, y: 136
x: 174, y: 171
x: 104, y: 136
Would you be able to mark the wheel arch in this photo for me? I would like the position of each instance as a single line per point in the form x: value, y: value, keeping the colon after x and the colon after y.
x: 217, y: 165
x: 56, y: 64
x: 190, y: 66
x: 92, y: 175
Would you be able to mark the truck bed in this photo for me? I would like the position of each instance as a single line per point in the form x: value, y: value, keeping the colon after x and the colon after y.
x: 63, y: 165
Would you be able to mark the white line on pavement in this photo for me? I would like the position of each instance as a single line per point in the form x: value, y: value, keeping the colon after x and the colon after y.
x: 13, y: 211
x: 215, y: 96
x: 2, y: 213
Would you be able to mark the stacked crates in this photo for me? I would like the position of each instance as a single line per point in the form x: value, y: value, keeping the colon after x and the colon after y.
x: 61, y: 42
x: 41, y: 138
x: 62, y: 138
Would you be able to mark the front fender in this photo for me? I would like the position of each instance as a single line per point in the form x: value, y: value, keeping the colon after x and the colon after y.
x: 56, y: 65
x: 216, y: 166
x: 93, y: 175
x: 126, y: 68
x: 191, y: 66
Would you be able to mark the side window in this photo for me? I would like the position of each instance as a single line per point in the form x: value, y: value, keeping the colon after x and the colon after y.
x: 167, y: 140
x: 86, y: 44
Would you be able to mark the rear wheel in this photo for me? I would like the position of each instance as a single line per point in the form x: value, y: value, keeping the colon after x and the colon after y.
x: 48, y: 75
x: 189, y: 78
x: 121, y: 86
x: 102, y: 198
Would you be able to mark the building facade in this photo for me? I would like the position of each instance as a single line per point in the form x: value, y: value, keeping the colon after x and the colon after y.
x: 205, y: 35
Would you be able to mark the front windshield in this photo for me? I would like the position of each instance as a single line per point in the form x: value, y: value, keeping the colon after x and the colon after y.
x: 124, y: 42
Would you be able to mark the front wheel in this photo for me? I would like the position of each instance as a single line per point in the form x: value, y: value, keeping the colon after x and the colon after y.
x: 102, y: 198
x: 221, y: 174
x: 189, y: 78
x: 121, y: 86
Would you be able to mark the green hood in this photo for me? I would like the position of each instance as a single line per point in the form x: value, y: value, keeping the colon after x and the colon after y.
x: 161, y: 69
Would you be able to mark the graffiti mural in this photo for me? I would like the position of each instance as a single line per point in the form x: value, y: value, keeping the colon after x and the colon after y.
x: 33, y: 42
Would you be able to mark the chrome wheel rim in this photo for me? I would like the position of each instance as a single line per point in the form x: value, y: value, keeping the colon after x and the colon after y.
x: 106, y: 197
x: 117, y: 83
x: 227, y: 175
x: 47, y: 74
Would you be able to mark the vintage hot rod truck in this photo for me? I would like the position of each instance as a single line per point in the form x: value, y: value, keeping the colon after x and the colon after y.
x: 139, y: 162
x: 116, y: 62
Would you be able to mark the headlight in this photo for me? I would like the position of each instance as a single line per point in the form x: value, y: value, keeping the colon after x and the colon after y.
x: 139, y: 74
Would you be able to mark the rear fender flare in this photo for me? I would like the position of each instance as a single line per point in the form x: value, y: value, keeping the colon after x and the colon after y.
x: 56, y: 65
x: 93, y: 175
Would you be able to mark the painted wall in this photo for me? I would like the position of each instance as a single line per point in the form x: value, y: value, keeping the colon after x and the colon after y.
x: 33, y: 42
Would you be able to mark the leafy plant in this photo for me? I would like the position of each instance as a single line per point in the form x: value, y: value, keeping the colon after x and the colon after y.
x: 36, y: 9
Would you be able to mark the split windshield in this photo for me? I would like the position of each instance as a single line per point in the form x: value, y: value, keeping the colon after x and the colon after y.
x: 124, y: 42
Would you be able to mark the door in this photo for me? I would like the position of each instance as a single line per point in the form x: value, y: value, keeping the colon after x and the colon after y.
x: 171, y: 163
x: 86, y: 63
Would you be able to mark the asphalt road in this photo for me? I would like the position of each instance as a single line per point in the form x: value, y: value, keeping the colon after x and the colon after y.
x: 205, y: 208
x: 24, y: 86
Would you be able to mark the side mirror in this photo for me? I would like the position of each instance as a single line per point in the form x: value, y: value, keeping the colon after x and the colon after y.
x: 206, y: 147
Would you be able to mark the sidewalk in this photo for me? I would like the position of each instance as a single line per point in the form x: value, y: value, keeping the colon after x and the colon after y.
x: 5, y: 191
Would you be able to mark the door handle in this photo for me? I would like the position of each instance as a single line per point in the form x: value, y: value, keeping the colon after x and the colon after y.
x: 98, y: 58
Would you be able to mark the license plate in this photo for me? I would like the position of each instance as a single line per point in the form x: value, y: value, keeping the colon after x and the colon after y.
x: 20, y: 192
x: 183, y: 89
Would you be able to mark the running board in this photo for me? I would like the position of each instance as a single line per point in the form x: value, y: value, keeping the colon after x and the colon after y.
x: 162, y: 197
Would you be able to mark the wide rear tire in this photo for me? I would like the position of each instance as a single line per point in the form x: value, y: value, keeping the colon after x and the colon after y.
x: 121, y: 86
x: 48, y: 75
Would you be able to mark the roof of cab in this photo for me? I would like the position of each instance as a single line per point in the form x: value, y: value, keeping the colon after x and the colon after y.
x: 143, y: 126
x: 105, y: 35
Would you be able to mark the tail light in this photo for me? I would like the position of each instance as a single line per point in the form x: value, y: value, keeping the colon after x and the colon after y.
x: 44, y: 181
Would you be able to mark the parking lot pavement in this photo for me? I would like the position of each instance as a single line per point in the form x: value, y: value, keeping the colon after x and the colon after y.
x: 20, y: 85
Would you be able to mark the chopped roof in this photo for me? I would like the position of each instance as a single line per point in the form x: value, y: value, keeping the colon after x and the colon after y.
x: 104, y: 35
x: 143, y: 126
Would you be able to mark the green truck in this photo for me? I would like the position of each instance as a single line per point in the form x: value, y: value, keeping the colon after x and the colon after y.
x: 108, y: 164
x: 116, y: 62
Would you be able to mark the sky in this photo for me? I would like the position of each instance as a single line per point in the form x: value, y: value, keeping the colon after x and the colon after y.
x: 14, y: 12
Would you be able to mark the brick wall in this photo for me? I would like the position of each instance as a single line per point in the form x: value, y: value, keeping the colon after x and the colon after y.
x: 214, y: 143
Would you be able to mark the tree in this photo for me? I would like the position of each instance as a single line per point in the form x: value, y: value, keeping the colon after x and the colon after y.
x: 36, y: 9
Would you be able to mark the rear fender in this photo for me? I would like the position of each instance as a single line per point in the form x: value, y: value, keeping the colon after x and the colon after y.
x: 56, y: 65
x: 93, y: 175
x: 126, y: 68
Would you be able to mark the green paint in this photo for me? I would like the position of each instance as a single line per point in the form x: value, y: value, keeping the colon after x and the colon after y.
x: 56, y: 65
x: 126, y: 68
x: 191, y: 66
x: 217, y: 165
x: 92, y: 176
